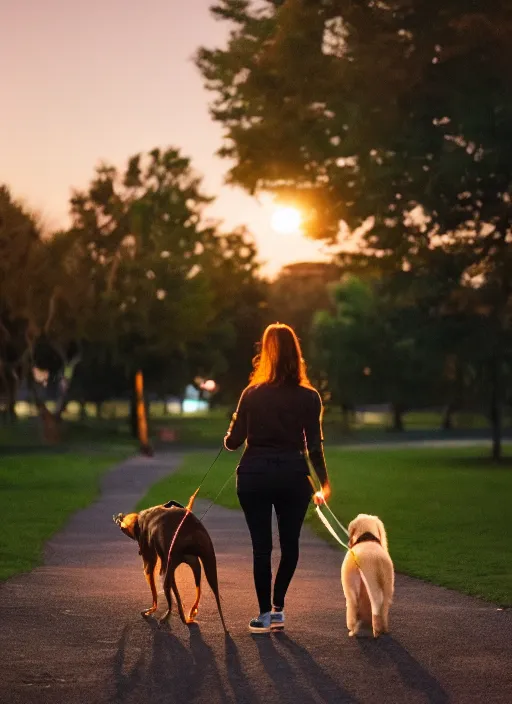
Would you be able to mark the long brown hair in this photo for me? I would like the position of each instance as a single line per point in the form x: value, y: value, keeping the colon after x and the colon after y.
x: 280, y: 358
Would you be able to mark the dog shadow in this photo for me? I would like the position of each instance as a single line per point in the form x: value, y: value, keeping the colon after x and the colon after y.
x: 126, y: 678
x: 412, y: 673
x: 168, y: 668
x: 306, y: 681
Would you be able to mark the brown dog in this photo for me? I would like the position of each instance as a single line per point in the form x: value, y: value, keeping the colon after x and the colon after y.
x: 367, y: 576
x: 155, y: 530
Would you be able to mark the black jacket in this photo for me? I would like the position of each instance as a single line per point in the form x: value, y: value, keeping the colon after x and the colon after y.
x: 279, y: 420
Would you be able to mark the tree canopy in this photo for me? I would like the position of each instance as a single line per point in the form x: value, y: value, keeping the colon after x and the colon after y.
x: 388, y: 124
x: 141, y: 280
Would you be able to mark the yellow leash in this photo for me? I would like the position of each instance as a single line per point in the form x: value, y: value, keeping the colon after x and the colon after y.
x: 331, y: 529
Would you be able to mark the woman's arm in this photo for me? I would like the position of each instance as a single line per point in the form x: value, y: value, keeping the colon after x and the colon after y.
x: 315, y: 443
x: 237, y: 431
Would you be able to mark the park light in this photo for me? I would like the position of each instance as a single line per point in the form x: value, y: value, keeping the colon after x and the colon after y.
x: 209, y: 385
x: 286, y: 220
x: 41, y: 376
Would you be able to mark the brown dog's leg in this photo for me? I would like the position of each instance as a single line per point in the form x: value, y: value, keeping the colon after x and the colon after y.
x: 193, y: 562
x: 169, y: 573
x: 174, y: 587
x: 207, y: 555
x: 149, y: 573
x: 170, y: 583
x: 167, y: 593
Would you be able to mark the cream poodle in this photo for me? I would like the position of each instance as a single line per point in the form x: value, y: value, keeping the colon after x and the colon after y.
x: 367, y: 576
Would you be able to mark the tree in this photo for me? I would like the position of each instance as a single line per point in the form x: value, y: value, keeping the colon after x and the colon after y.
x: 392, y: 117
x: 163, y: 277
x: 139, y: 282
x: 375, y: 350
x: 98, y: 377
x: 344, y: 345
x: 19, y: 237
x: 240, y: 304
x: 43, y: 293
x: 299, y: 290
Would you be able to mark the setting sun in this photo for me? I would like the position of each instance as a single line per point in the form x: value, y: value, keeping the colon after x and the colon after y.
x: 286, y: 220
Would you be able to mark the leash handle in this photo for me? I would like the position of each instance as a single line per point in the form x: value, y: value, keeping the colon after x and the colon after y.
x: 328, y: 507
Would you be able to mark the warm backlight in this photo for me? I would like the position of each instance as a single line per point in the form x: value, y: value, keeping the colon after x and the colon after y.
x: 286, y: 221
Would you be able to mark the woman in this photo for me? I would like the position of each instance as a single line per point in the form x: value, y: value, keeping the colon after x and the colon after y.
x: 279, y: 415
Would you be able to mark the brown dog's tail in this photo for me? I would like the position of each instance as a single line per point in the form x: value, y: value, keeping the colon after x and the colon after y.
x: 207, y: 556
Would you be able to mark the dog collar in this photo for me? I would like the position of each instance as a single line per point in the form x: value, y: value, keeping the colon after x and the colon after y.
x: 366, y: 538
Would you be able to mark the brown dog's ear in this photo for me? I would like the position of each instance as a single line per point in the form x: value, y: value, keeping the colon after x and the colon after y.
x: 129, y: 524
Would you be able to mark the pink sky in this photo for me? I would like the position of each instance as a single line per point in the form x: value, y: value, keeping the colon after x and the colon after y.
x: 104, y: 79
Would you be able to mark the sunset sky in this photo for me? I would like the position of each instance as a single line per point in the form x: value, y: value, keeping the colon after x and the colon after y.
x: 102, y: 80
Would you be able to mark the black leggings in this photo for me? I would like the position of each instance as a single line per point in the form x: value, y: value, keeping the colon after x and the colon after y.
x: 289, y: 492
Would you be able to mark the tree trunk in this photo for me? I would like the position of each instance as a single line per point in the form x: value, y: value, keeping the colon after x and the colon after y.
x: 83, y: 411
x: 141, y: 417
x: 99, y: 408
x: 496, y: 411
x: 447, y: 421
x: 165, y: 412
x: 11, y: 412
x: 397, y: 414
x: 11, y: 401
x: 133, y: 416
x: 50, y: 422
x: 52, y: 427
x: 345, y: 418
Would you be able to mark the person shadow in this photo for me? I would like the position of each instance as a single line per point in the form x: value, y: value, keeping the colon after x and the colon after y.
x: 414, y: 676
x: 305, y: 682
x: 242, y: 689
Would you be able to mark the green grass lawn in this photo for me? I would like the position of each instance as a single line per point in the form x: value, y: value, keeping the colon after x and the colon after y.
x: 206, y: 430
x: 37, y: 494
x: 445, y: 510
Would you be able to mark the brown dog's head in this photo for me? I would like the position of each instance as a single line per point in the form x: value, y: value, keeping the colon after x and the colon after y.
x: 129, y: 524
x: 364, y: 523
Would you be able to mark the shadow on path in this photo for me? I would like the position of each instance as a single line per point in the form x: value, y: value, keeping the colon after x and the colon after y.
x: 168, y: 667
x: 296, y: 675
x: 171, y: 667
x: 412, y: 673
x: 240, y: 684
x: 126, y: 678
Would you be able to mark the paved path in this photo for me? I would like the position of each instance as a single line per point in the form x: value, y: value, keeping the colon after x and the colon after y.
x: 71, y: 632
